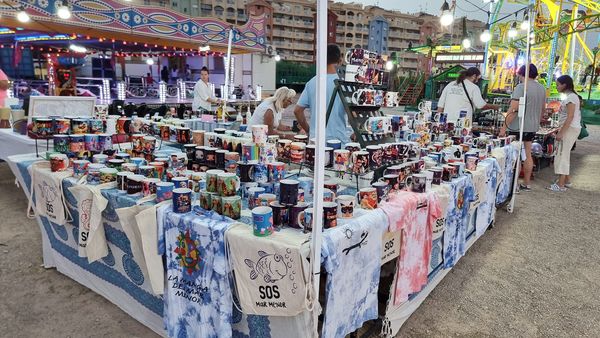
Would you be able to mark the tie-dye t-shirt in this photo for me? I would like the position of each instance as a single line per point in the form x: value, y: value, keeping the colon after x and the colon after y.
x: 414, y: 214
x: 461, y: 196
x: 198, y: 299
x: 487, y: 208
x: 352, y: 257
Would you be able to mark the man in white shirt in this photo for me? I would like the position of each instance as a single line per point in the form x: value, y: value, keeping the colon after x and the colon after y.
x: 454, y: 99
x: 202, y: 94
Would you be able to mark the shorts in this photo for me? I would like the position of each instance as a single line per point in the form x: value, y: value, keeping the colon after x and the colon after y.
x: 527, y: 136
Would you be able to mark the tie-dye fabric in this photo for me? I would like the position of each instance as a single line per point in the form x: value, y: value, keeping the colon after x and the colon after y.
x: 486, y: 211
x: 414, y: 214
x: 461, y: 196
x: 198, y: 299
x: 352, y: 257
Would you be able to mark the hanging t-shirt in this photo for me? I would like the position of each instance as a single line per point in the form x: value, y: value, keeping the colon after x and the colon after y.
x: 414, y: 214
x: 442, y: 192
x: 271, y: 273
x: 479, y: 183
x: 487, y: 208
x: 510, y: 154
x: 351, y: 255
x: 461, y: 196
x: 198, y: 300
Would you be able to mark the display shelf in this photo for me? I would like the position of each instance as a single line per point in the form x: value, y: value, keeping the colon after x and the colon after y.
x: 359, y: 114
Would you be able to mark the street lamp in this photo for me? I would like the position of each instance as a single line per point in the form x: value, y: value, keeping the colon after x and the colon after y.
x: 525, y: 23
x: 595, y: 52
x: 486, y: 36
x: 447, y: 18
x: 63, y: 11
x: 466, y: 43
x: 512, y: 32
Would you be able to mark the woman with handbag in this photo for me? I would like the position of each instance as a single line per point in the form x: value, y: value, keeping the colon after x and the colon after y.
x: 570, y: 126
x: 463, y: 95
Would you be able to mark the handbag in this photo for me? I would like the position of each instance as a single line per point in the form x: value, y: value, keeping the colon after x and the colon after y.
x: 468, y: 96
x: 583, y: 133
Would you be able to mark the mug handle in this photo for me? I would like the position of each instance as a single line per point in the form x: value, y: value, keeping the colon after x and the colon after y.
x: 347, y: 56
x: 356, y: 96
x: 301, y: 220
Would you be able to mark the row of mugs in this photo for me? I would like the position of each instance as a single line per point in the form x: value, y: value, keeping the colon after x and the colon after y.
x: 375, y: 97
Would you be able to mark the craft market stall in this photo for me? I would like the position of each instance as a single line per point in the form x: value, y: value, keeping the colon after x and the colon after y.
x: 208, y: 233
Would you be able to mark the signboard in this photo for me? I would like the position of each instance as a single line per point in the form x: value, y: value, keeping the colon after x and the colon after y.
x: 44, y: 106
x: 391, y: 246
x: 460, y: 58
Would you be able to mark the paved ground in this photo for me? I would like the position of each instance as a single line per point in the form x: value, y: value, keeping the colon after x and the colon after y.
x: 535, y: 274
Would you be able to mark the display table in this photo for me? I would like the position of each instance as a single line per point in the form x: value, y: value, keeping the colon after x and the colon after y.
x: 119, y: 278
x: 12, y: 143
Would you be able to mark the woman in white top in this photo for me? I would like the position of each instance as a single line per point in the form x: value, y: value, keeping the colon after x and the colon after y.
x: 269, y: 111
x: 570, y: 126
x: 463, y: 95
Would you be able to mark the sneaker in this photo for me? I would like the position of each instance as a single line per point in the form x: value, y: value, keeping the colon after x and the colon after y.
x: 523, y: 187
x: 555, y: 187
x: 567, y: 185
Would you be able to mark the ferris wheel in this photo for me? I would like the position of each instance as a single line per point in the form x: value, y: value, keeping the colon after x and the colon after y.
x: 558, y: 40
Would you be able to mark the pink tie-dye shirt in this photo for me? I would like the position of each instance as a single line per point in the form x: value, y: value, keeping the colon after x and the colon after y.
x: 414, y: 215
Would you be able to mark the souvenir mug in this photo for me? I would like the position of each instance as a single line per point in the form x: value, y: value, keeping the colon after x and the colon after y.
x: 252, y: 195
x: 309, y: 155
x: 216, y: 203
x: 211, y: 156
x: 346, y: 205
x: 260, y: 133
x: 294, y: 213
x: 375, y: 156
x: 364, y: 97
x: 116, y: 163
x: 382, y: 189
x: 378, y: 125
x: 297, y: 152
x: 419, y: 183
x: 198, y: 137
x: 355, y: 73
x: 391, y: 99
x: 59, y: 162
x: 147, y: 171
x: 212, y: 179
x: 80, y: 168
x: 352, y: 147
x: 61, y: 143
x: 334, y: 144
x: 231, y: 161
x: 341, y: 159
x: 250, y: 152
x: 134, y: 184
x: 200, y: 154
x: 184, y: 135
x: 283, y: 149
x: 280, y: 214
x: 182, y: 200
x: 328, y: 157
x: 328, y: 195
x: 276, y: 171
x: 437, y: 175
x: 288, y: 194
x: 360, y: 162
x: 265, y: 199
x: 367, y: 198
x: 355, y: 56
x: 61, y: 126
x: 79, y: 126
x: 392, y: 181
x: 306, y: 184
x: 108, y: 175
x: 330, y: 211
x: 76, y: 143
x: 164, y: 191
x: 220, y: 158
x: 122, y: 180
x: 231, y: 206
x: 149, y: 186
x: 228, y: 184
x: 262, y: 219
x: 130, y: 167
x: 301, y: 138
x: 180, y: 182
x: 306, y: 219
x: 205, y: 200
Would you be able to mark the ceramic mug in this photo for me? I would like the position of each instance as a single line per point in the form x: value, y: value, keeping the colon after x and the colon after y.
x: 391, y: 99
x: 262, y: 219
x: 108, y: 175
x: 288, y: 194
x: 260, y: 133
x: 346, y: 205
x: 355, y: 56
x: 297, y: 152
x: 375, y: 156
x: 330, y: 211
x: 367, y: 198
x: 245, y: 170
x: 80, y: 168
x: 253, y: 194
x: 294, y: 213
x: 306, y: 218
x: 382, y: 189
x: 280, y: 214
x: 61, y: 143
x: 228, y: 184
x: 419, y: 183
x: 276, y: 171
x: 378, y: 125
x: 182, y: 200
x: 364, y: 97
x: 212, y: 179
x: 122, y: 180
x: 59, y: 162
x: 306, y: 185
x: 265, y: 199
x: 205, y: 199
x: 216, y: 203
x: 232, y: 206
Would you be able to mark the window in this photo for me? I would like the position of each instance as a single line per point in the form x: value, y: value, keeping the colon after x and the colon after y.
x: 206, y: 7
x: 219, y: 10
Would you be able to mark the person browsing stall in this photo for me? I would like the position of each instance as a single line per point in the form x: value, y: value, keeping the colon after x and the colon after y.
x: 337, y: 125
x: 270, y: 110
x: 534, y: 109
x: 203, y: 97
x: 4, y: 85
x: 463, y: 95
x: 569, y: 121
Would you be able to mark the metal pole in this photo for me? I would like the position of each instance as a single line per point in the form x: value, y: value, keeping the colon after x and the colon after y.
x: 227, y: 72
x: 593, y: 72
x: 522, y: 106
x: 552, y: 57
x: 319, y: 169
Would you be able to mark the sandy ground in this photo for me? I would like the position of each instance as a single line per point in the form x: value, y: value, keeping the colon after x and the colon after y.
x: 534, y: 275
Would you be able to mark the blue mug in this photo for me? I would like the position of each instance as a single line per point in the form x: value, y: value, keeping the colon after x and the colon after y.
x: 261, y: 173
x: 164, y: 191
x: 182, y: 200
x: 306, y: 184
x: 335, y: 144
x: 262, y: 218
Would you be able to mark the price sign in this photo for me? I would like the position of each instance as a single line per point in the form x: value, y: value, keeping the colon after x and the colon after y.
x: 390, y: 246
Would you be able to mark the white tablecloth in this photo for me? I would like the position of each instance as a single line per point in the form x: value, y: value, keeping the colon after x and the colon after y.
x: 12, y: 143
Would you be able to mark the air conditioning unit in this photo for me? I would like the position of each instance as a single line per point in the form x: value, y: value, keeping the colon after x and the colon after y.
x: 270, y: 50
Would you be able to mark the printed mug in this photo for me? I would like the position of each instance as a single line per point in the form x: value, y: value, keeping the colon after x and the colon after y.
x: 108, y: 175
x: 355, y: 73
x: 288, y: 194
x: 212, y: 179
x: 262, y: 219
x: 364, y: 97
x: 294, y: 212
x: 346, y: 205
x: 280, y: 214
x: 182, y: 200
x: 356, y: 56
x: 205, y: 200
x: 228, y: 184
x: 232, y: 206
x: 367, y: 198
x: 122, y: 180
x: 330, y: 211
x: 378, y: 125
